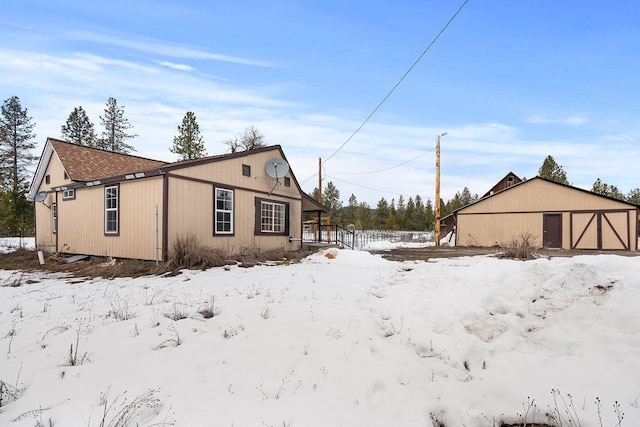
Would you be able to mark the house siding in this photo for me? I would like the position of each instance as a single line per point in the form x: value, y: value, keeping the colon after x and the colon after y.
x: 191, y: 204
x: 81, y: 221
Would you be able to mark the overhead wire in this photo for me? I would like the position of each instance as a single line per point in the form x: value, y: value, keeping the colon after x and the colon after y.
x: 388, y: 168
x: 375, y: 110
x: 363, y: 186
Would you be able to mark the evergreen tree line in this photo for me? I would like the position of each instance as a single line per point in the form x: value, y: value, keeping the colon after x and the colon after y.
x: 408, y: 215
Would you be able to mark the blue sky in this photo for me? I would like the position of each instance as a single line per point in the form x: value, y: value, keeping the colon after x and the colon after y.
x: 509, y: 81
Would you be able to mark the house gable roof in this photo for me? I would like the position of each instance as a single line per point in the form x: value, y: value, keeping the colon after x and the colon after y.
x: 83, y: 164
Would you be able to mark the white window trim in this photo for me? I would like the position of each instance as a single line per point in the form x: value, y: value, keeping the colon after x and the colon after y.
x: 68, y: 194
x: 229, y: 211
x: 116, y: 209
x: 272, y: 223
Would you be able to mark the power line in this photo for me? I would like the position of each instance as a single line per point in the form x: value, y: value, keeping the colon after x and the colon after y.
x: 375, y: 110
x: 363, y: 186
x: 390, y: 167
x: 307, y: 179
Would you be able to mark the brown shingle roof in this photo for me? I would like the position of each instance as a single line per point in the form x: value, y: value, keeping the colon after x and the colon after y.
x: 87, y: 164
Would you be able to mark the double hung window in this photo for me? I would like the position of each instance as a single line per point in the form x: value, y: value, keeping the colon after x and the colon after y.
x: 111, y: 206
x: 223, y: 211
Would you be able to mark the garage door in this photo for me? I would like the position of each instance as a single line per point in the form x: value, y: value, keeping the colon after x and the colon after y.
x: 600, y: 230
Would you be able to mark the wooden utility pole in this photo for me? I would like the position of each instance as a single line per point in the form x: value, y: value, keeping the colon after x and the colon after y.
x: 437, y: 235
x: 319, y: 179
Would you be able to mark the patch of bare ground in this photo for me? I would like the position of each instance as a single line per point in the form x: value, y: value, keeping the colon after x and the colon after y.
x: 432, y: 252
x: 94, y: 266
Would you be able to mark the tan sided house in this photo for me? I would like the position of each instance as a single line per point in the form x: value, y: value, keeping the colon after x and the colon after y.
x: 96, y: 202
x: 557, y: 215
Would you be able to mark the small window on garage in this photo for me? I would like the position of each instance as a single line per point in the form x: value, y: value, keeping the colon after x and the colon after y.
x: 246, y: 170
x: 65, y: 175
x: 287, y: 181
x: 47, y: 179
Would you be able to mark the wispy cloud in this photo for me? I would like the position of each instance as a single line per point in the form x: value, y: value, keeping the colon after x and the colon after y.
x: 179, y: 67
x: 571, y: 120
x: 159, y: 47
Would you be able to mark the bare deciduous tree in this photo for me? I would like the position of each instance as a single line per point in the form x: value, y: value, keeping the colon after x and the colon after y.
x: 249, y: 140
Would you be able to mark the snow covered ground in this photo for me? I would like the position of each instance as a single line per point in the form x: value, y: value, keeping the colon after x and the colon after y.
x: 344, y: 338
x: 11, y: 243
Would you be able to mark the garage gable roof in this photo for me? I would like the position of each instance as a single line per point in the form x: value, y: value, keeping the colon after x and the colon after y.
x: 546, y: 180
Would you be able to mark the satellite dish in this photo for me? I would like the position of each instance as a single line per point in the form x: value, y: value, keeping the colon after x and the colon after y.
x: 40, y: 196
x: 277, y: 168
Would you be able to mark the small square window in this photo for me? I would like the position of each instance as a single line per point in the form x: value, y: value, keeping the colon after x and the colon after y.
x: 65, y: 175
x: 69, y: 194
x: 47, y: 179
x: 246, y: 170
x: 287, y: 181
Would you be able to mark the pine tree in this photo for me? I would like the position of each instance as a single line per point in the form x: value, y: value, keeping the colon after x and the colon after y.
x: 315, y: 194
x: 553, y: 171
x: 605, y: 189
x: 401, y: 214
x: 364, y: 220
x: 349, y: 214
x: 381, y: 215
x: 115, y: 125
x: 391, y: 223
x: 430, y: 214
x: 466, y: 198
x: 16, y: 158
x: 189, y: 144
x: 79, y: 129
x: 633, y: 196
x: 331, y: 199
x: 409, y: 214
x: 419, y: 219
x: 599, y: 187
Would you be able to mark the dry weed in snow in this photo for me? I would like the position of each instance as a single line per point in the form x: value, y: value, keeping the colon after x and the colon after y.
x: 341, y: 340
